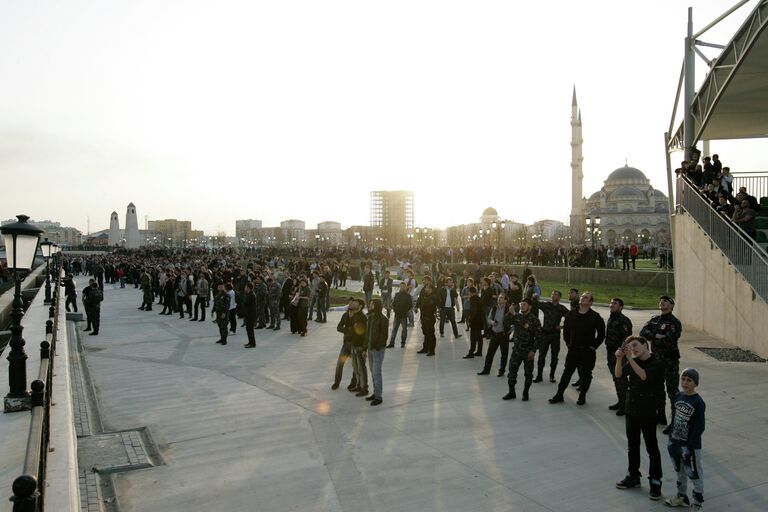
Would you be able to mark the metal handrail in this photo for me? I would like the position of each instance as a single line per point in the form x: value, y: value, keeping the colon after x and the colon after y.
x: 742, y: 251
x: 28, y: 489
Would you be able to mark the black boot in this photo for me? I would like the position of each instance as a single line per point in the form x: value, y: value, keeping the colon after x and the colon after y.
x: 511, y: 395
x: 538, y: 377
x: 525, y: 391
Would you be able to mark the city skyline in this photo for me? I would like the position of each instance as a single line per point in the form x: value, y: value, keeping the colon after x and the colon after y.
x: 270, y: 111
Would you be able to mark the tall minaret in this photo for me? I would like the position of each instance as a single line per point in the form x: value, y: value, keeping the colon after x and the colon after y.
x: 132, y: 240
x: 577, y: 175
x: 114, y: 230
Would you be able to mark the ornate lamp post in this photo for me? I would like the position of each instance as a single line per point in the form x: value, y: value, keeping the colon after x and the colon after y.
x: 593, y: 224
x: 46, y: 247
x: 21, y: 240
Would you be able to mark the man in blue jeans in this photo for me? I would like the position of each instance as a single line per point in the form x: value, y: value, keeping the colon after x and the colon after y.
x: 402, y: 304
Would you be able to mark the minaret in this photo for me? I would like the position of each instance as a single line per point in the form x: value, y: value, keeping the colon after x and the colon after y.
x: 132, y: 240
x: 114, y: 230
x: 577, y: 175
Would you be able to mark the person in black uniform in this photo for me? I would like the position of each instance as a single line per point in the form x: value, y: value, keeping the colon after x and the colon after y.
x: 71, y: 293
x: 554, y: 312
x: 583, y: 331
x: 94, y: 299
x: 476, y: 321
x: 87, y: 306
x: 427, y: 305
x: 663, y: 331
x: 221, y: 310
x: 527, y: 331
x: 250, y: 313
x: 617, y: 329
x: 645, y: 377
x: 448, y: 302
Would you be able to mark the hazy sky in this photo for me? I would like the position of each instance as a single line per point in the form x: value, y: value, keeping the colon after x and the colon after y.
x: 216, y: 111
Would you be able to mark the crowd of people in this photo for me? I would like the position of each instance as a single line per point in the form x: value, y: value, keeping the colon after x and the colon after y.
x: 501, y: 311
x: 715, y: 184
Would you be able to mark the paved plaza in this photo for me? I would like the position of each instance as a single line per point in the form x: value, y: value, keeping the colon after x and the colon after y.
x: 231, y: 429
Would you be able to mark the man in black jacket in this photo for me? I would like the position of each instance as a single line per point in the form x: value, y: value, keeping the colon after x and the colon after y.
x: 476, y: 320
x: 368, y: 280
x: 385, y: 286
x: 583, y: 331
x: 375, y: 344
x: 447, y: 300
x: 358, y: 321
x: 93, y: 303
x: 617, y: 329
x: 250, y: 313
x: 86, y: 306
x: 402, y: 305
x: 427, y: 306
x: 353, y: 316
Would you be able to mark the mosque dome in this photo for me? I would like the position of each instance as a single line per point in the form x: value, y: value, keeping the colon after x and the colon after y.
x: 627, y: 173
x: 490, y: 211
x: 627, y: 194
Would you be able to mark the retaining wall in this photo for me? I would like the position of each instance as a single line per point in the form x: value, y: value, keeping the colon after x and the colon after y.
x: 711, y: 295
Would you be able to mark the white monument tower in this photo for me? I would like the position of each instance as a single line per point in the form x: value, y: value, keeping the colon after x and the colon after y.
x: 132, y: 240
x: 114, y: 230
x: 578, y: 201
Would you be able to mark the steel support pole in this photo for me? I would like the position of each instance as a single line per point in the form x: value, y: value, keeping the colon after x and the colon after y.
x: 670, y: 193
x: 689, y: 88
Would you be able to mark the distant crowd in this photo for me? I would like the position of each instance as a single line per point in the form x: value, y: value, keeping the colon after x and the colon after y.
x: 501, y: 311
x: 715, y: 184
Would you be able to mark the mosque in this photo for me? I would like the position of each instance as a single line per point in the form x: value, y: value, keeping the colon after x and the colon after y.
x: 629, y: 209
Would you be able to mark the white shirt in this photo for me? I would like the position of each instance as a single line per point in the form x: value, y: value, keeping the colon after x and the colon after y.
x: 232, y: 301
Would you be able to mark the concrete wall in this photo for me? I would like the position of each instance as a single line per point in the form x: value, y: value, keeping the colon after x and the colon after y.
x: 711, y: 295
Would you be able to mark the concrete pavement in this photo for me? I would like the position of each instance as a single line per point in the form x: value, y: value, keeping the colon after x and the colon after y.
x: 260, y: 429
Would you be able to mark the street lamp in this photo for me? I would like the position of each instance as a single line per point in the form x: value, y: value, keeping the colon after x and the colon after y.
x: 21, y: 240
x: 46, y: 247
x: 593, y: 223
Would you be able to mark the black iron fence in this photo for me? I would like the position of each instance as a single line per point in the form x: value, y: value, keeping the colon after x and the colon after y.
x: 28, y: 489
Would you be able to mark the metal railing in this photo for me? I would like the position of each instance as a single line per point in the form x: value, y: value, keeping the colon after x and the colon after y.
x: 28, y: 489
x: 746, y: 256
x: 756, y: 183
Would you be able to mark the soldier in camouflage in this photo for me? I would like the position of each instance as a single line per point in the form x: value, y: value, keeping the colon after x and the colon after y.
x: 525, y: 339
x: 663, y: 331
x: 617, y: 329
x: 146, y: 288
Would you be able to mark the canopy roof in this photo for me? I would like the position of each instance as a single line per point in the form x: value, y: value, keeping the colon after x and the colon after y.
x: 732, y: 103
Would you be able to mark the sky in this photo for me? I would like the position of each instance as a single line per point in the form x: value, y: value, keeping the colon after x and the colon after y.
x: 236, y: 109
